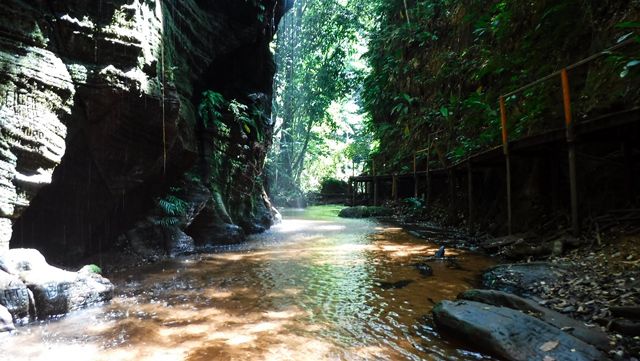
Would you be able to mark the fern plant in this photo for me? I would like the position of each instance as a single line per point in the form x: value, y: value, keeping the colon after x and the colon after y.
x: 210, y: 108
x: 172, y: 208
x: 241, y: 115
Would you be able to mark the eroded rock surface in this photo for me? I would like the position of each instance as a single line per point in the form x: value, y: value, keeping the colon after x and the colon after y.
x: 55, y: 291
x: 592, y: 336
x: 6, y: 321
x: 107, y: 95
x: 510, y: 334
x: 518, y: 278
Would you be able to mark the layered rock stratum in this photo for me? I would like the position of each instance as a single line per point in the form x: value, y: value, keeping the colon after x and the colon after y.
x: 99, y: 123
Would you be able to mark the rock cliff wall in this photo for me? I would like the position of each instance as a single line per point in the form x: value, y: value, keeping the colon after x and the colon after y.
x: 102, y: 143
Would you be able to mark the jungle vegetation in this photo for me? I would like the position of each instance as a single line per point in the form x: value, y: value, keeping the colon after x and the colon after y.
x: 363, y: 81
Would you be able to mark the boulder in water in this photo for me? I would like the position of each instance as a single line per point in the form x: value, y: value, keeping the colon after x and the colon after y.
x: 424, y: 269
x: 510, y: 334
x: 14, y: 295
x: 55, y: 291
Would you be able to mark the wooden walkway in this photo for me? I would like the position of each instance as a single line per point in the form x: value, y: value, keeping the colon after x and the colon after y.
x: 609, y: 128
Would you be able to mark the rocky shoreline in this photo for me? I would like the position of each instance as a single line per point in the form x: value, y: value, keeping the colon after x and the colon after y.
x: 31, y: 289
x: 550, y: 298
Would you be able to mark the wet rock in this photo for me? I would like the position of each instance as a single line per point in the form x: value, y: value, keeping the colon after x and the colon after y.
x: 6, y: 321
x: 424, y: 269
x: 86, y: 94
x: 393, y: 285
x: 519, y: 278
x: 14, y: 295
x: 208, y: 235
x: 56, y: 291
x: 276, y: 216
x: 510, y: 334
x: 591, y: 336
x: 364, y: 212
x: 178, y: 243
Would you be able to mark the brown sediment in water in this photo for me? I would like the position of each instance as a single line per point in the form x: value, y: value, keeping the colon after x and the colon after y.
x: 310, y: 289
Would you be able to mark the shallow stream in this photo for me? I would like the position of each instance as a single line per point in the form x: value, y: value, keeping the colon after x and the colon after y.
x: 316, y: 287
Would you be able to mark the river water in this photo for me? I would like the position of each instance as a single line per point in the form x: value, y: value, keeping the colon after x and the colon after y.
x: 315, y: 287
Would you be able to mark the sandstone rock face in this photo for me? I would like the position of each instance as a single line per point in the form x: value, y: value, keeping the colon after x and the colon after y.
x: 99, y: 116
x: 33, y: 284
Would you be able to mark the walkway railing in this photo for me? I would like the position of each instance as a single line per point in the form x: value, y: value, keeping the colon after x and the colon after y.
x: 359, y: 184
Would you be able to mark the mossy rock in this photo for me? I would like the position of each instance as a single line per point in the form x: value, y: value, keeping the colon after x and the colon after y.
x: 365, y: 212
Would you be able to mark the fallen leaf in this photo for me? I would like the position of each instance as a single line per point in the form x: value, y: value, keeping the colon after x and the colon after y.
x: 548, y: 346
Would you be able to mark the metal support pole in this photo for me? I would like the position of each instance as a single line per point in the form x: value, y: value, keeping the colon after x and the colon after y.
x: 507, y: 158
x: 451, y: 174
x: 428, y: 175
x: 470, y: 194
x: 566, y: 96
x: 415, y: 177
x: 394, y: 186
x: 375, y: 185
x: 355, y: 192
x: 629, y: 164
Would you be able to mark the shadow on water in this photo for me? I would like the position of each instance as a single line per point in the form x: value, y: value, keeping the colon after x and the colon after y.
x: 312, y: 288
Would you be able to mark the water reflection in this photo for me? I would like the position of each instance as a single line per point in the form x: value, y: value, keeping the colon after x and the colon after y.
x: 310, y: 289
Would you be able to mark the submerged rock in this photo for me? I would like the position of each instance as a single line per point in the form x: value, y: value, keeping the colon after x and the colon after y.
x: 518, y: 278
x: 510, y: 334
x: 440, y: 252
x: 55, y: 291
x: 424, y: 269
x: 393, y: 285
x: 364, y: 212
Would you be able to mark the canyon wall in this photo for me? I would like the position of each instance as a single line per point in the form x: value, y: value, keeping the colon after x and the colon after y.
x: 103, y: 145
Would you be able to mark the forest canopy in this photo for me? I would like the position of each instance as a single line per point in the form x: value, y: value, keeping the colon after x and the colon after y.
x: 369, y: 81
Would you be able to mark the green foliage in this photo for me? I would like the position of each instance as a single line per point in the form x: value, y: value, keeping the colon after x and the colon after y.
x: 319, y: 75
x: 172, y: 208
x: 210, y: 108
x: 261, y: 9
x: 445, y: 68
x: 92, y: 268
x: 333, y: 186
x: 414, y: 203
x: 249, y: 125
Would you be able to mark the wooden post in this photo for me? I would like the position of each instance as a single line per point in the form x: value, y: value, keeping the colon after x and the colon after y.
x: 507, y: 158
x: 354, y: 195
x: 629, y: 164
x: 566, y: 96
x: 415, y: 176
x: 375, y: 185
x: 451, y: 174
x: 428, y: 175
x: 394, y: 186
x: 470, y: 194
